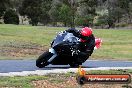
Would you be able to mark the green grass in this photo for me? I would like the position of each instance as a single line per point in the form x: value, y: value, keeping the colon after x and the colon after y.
x: 20, y: 82
x: 117, y: 44
x: 120, y: 71
x: 26, y: 34
x: 26, y: 81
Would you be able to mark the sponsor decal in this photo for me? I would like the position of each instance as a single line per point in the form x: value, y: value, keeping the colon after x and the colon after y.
x: 83, y: 78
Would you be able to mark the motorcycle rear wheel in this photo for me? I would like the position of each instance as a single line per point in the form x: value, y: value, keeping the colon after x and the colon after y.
x: 42, y: 60
x: 74, y: 65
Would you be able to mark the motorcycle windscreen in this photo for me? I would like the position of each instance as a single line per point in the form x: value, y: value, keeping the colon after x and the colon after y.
x: 64, y: 37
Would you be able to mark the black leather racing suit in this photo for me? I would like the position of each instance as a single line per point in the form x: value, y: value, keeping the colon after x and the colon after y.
x: 86, y: 47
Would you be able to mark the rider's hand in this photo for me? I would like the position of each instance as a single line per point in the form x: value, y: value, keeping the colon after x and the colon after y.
x: 71, y: 30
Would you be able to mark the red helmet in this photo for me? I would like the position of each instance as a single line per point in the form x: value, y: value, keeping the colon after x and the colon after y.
x: 86, y: 31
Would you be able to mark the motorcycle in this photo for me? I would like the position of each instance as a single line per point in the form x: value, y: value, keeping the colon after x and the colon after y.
x: 64, y: 51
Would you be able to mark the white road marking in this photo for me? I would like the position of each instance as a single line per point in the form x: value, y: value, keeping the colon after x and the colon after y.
x: 44, y: 72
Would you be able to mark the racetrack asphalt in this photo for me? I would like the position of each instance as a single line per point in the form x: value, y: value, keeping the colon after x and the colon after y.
x: 7, y: 66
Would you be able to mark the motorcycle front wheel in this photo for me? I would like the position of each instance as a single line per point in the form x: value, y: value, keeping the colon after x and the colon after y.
x: 42, y: 61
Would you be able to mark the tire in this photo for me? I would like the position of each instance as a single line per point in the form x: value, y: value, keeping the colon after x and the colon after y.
x: 74, y: 65
x: 42, y: 60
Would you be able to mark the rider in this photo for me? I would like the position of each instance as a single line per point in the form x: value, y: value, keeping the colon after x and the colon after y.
x: 87, y: 40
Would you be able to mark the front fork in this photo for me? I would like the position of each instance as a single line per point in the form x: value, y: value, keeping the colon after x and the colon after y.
x: 51, y: 50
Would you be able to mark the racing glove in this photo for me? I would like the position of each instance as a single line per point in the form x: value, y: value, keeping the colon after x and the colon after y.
x: 74, y: 32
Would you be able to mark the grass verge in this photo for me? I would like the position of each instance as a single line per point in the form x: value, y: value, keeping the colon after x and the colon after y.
x: 23, y: 42
x: 67, y: 80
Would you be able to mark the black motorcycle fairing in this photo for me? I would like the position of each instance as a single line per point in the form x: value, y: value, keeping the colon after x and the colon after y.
x: 65, y: 43
x: 66, y: 49
x: 66, y: 46
x: 64, y: 37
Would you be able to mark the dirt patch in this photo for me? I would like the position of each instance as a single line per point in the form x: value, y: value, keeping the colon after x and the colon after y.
x: 22, y: 51
x: 71, y: 83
